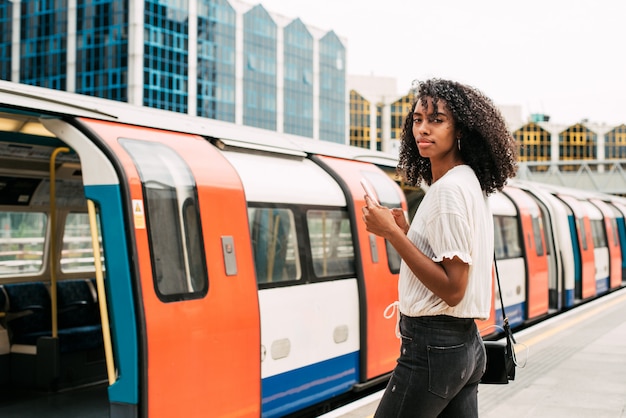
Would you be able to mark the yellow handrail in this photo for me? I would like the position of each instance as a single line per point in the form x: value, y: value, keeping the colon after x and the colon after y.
x: 102, y: 300
x: 53, y: 240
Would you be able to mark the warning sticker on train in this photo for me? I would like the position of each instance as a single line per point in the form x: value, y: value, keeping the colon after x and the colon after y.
x: 140, y: 219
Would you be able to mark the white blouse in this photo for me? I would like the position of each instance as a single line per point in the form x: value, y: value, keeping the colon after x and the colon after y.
x: 453, y: 219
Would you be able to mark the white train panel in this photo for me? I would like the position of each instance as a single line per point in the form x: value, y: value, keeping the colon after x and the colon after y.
x: 287, y: 180
x: 307, y: 324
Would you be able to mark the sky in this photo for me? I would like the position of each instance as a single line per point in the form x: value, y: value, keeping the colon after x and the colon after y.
x: 566, y: 59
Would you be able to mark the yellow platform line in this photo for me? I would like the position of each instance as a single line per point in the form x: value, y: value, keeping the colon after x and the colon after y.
x: 573, y: 321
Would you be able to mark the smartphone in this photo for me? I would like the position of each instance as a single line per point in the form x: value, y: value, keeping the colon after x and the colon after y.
x: 369, y: 190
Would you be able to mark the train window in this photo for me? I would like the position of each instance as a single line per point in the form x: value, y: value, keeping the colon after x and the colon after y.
x: 537, y: 228
x: 77, y: 253
x: 509, y: 242
x: 614, y: 228
x: 274, y: 244
x: 598, y: 233
x: 21, y: 242
x: 393, y: 257
x: 583, y: 232
x: 615, y: 223
x: 173, y: 221
x: 387, y: 196
x: 390, y: 198
x: 498, y: 242
x: 332, y: 249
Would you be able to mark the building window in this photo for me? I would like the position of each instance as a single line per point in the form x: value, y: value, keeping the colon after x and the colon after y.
x: 6, y: 31
x: 399, y: 111
x: 615, y: 143
x: 533, y: 144
x: 577, y: 143
x: 332, y: 89
x: 102, y: 49
x: 298, y: 83
x: 216, y: 62
x: 359, y: 120
x: 260, y: 87
x: 165, y: 55
x: 43, y: 38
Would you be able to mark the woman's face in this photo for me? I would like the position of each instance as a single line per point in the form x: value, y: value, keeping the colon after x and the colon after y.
x: 435, y: 133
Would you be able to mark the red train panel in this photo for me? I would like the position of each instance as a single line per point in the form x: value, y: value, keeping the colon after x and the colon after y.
x: 378, y: 284
x: 537, y: 297
x: 192, y: 345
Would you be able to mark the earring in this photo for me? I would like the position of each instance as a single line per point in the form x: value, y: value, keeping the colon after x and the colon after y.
x: 458, y: 144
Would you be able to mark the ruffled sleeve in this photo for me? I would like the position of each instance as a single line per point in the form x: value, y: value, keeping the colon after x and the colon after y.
x: 449, y: 232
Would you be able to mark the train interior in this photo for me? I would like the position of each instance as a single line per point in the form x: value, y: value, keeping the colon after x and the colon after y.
x: 51, y: 345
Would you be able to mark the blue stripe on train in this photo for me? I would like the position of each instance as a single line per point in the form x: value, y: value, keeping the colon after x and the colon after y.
x: 291, y: 391
x: 602, y: 285
x: 120, y: 298
x: 569, y: 298
x: 515, y: 313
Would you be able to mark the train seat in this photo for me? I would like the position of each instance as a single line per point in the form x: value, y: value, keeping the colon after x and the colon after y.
x: 36, y: 358
x: 29, y: 313
x: 28, y: 319
x: 79, y: 316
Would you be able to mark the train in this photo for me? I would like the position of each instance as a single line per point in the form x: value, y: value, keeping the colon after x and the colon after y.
x: 155, y: 264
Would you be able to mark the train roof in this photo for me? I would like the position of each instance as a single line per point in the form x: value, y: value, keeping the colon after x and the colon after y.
x: 44, y: 101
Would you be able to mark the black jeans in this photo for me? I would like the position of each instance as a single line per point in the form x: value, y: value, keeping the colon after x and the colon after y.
x: 441, y: 362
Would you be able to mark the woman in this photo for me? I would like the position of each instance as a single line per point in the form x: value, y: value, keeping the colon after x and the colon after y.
x: 456, y: 141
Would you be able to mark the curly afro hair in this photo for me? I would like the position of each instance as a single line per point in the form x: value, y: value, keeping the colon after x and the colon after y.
x: 486, y: 145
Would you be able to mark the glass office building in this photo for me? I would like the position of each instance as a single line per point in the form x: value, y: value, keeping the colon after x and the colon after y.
x: 102, y: 49
x: 220, y: 59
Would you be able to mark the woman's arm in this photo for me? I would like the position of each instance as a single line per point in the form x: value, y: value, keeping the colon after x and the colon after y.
x: 448, y: 279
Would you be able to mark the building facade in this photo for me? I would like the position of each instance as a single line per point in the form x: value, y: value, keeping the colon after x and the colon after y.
x: 220, y: 59
x: 378, y: 112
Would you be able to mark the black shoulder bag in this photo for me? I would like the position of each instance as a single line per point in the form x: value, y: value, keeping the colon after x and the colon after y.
x: 501, y: 360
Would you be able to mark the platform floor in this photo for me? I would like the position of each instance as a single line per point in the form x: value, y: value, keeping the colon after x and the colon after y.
x: 576, y: 367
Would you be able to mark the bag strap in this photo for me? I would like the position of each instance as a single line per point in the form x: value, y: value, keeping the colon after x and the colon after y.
x: 505, y: 320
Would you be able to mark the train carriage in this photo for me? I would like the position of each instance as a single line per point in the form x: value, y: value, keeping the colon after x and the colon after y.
x: 581, y: 238
x: 619, y: 207
x: 608, y: 241
x: 509, y: 257
x: 558, y: 245
x: 237, y: 275
x: 156, y: 264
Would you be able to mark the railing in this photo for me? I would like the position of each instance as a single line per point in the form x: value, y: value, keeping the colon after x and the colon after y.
x: 28, y: 257
x: 607, y: 176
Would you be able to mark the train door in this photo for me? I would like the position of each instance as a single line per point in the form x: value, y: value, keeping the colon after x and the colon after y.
x: 600, y: 247
x: 566, y: 251
x: 552, y: 212
x: 379, y: 265
x: 580, y: 230
x: 620, y: 213
x: 304, y: 255
x: 52, y: 334
x: 533, y: 237
x: 509, y: 254
x: 607, y: 232
x: 193, y: 278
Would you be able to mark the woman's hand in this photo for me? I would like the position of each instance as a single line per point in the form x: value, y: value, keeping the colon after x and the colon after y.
x: 382, y: 221
x: 398, y: 215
